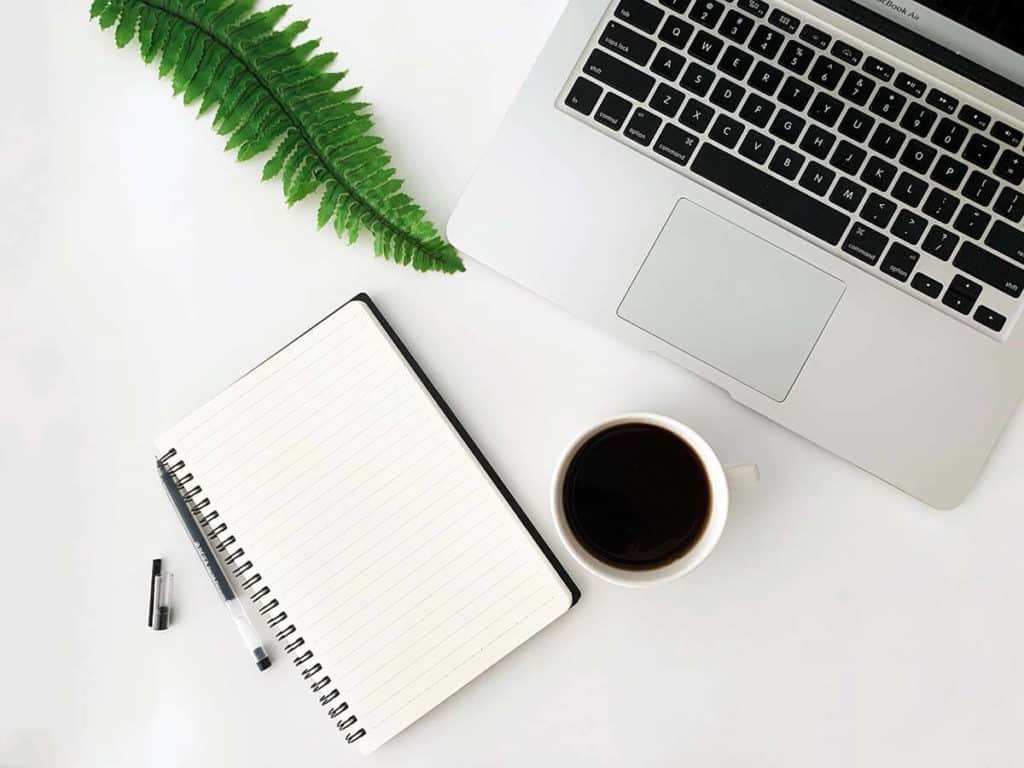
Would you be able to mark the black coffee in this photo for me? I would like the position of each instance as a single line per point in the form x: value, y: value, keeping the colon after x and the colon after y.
x: 636, y: 496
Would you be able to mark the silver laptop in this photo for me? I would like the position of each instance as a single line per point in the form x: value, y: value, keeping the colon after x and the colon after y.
x: 816, y: 205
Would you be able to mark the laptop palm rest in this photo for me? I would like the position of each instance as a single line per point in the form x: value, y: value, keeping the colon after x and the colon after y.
x: 732, y: 300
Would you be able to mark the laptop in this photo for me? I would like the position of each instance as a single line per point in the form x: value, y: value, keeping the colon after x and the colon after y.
x: 814, y: 204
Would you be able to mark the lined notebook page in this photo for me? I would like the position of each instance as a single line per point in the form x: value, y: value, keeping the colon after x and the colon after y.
x: 391, y: 550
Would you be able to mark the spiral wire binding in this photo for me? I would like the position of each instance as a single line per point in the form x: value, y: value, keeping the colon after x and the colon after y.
x: 191, y: 494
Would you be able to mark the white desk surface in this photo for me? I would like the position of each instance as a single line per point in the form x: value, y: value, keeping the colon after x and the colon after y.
x: 839, y: 623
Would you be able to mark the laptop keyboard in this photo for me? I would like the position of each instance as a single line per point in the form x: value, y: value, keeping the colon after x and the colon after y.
x: 881, y: 166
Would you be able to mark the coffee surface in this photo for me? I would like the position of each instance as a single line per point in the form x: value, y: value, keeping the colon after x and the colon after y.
x: 636, y: 496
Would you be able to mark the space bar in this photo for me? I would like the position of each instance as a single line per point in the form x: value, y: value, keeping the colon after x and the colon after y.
x: 771, y: 194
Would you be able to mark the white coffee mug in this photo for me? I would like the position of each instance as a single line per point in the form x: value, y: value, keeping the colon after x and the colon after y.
x: 720, y: 477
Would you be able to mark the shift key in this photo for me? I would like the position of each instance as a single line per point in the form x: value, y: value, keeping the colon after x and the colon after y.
x: 1007, y: 240
x: 990, y: 269
x: 619, y: 75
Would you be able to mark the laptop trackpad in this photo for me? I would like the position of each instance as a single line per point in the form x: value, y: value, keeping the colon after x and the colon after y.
x: 731, y: 299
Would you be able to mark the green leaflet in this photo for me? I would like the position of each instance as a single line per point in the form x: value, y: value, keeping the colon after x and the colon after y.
x: 271, y: 93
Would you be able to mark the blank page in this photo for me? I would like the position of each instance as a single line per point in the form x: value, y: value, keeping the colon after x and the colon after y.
x: 375, y: 527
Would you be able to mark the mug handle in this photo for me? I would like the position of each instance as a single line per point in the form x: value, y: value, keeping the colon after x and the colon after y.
x: 742, y: 474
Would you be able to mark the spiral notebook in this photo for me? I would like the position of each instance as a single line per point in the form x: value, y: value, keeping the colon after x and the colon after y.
x: 343, y: 495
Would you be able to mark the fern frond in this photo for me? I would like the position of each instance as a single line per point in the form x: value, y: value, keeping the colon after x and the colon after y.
x: 273, y: 94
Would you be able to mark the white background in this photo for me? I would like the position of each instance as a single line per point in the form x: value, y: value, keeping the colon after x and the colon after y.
x: 839, y: 623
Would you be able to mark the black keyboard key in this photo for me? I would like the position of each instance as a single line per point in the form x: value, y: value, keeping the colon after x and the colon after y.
x: 697, y: 79
x: 990, y: 318
x: 980, y: 151
x: 942, y: 101
x: 971, y: 221
x: 727, y: 94
x: 757, y: 147
x: 737, y: 27
x: 909, y: 189
x: 856, y: 125
x: 613, y: 111
x: 990, y: 269
x: 974, y: 117
x: 787, y: 162
x: 949, y: 135
x: 949, y: 172
x: 1010, y: 167
x: 676, y: 144
x: 918, y: 120
x: 847, y: 194
x: 643, y: 126
x: 765, y: 78
x: 815, y: 37
x: 888, y: 104
x: 980, y: 188
x: 817, y: 141
x: 583, y: 95
x: 846, y: 52
x: 826, y: 109
x: 857, y: 88
x: 958, y: 301
x: 757, y: 110
x: 878, y: 210
x: 627, y: 43
x: 619, y: 75
x: 775, y: 196
x: 1005, y: 133
x: 817, y: 179
x: 899, y: 262
x: 676, y: 32
x: 918, y: 156
x: 696, y: 115
x: 766, y: 41
x: 909, y: 84
x: 640, y: 14
x: 706, y: 47
x: 940, y: 243
x: 707, y: 12
x: 796, y: 57
x: 966, y: 287
x: 679, y: 6
x: 940, y: 206
x: 795, y: 93
x: 848, y: 158
x: 865, y: 243
x: 1010, y: 204
x: 735, y: 62
x: 668, y: 63
x: 784, y: 21
x: 887, y: 141
x: 667, y: 100
x: 757, y: 7
x: 929, y: 286
x: 787, y: 126
x: 726, y: 131
x: 909, y: 226
x: 826, y: 73
x: 878, y: 69
x: 1007, y: 240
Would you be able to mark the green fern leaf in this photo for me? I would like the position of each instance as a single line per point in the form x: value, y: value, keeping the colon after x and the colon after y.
x: 274, y: 93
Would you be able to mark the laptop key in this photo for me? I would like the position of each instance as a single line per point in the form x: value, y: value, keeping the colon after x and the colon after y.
x: 817, y: 141
x: 766, y: 41
x: 773, y: 195
x: 737, y: 27
x: 676, y: 32
x: 865, y: 243
x: 706, y: 47
x: 909, y: 189
x: 726, y: 131
x: 940, y: 206
x: 675, y: 144
x: 980, y: 188
x: 757, y: 7
x: 1005, y: 133
x: 784, y: 21
x: 817, y: 178
x: 619, y: 75
x: 613, y: 110
x: 857, y: 88
x: 908, y: 84
x: 697, y: 79
x: 796, y: 57
x: 583, y: 95
x: 765, y: 78
x: 929, y: 286
x: 847, y: 194
x: 958, y: 301
x: 878, y: 210
x: 826, y: 109
x: 848, y: 158
x: 640, y: 14
x: 668, y: 63
x: 727, y: 95
x: 757, y: 147
x: 971, y: 221
x: 909, y: 226
x: 949, y: 172
x: 879, y: 69
x: 735, y: 62
x: 787, y: 162
x: 826, y: 72
x: 696, y: 115
x: 1010, y: 204
x: 667, y: 100
x: 966, y: 287
x: 846, y: 52
x: 757, y: 110
x: 990, y: 318
x: 888, y: 104
x: 856, y: 125
x: 642, y: 126
x: 627, y: 43
x: 940, y: 243
x: 707, y: 12
x: 942, y: 101
x: 887, y: 141
x: 949, y: 135
x: 974, y: 117
x: 679, y: 6
x: 918, y: 156
x: 980, y: 151
x: 1007, y: 240
x: 990, y: 269
x: 815, y: 37
x: 787, y: 126
x: 795, y: 93
x: 1010, y: 167
x: 918, y: 120
x: 899, y: 262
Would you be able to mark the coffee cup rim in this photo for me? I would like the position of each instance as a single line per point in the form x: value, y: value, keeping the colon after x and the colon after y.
x: 677, y: 568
